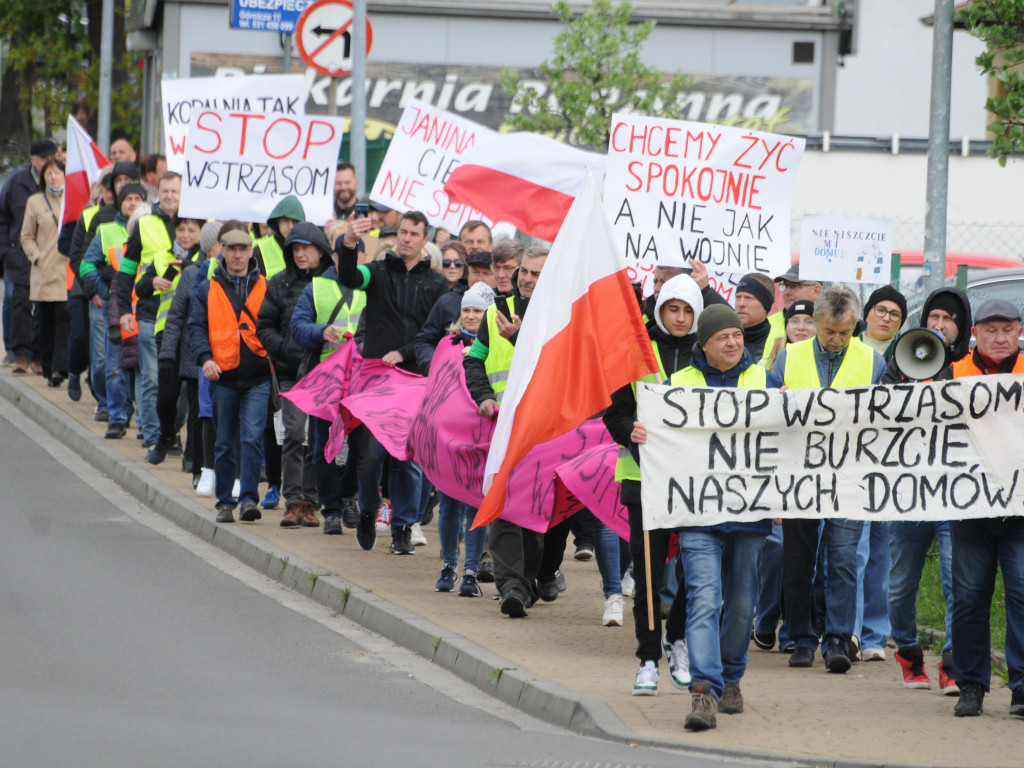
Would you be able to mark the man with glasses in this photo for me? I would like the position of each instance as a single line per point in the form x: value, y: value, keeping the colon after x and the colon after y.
x: 795, y: 289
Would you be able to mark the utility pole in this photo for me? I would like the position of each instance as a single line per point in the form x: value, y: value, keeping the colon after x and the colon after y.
x: 938, y: 149
x: 106, y: 66
x: 357, y: 124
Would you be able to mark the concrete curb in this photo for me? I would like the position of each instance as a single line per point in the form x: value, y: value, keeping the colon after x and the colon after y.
x: 473, y: 663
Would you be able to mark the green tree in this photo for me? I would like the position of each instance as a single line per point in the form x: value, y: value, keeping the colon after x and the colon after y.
x: 1000, y: 25
x: 596, y: 71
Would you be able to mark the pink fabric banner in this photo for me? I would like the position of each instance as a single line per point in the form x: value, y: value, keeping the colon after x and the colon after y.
x: 320, y: 391
x: 386, y: 400
x: 589, y: 479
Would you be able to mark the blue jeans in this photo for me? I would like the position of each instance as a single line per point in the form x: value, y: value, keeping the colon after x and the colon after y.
x: 908, y: 546
x: 455, y: 517
x: 769, y: 598
x: 404, y: 482
x: 146, y: 385
x: 5, y: 315
x: 119, y: 401
x: 98, y: 355
x: 979, y: 546
x: 872, y: 622
x: 721, y: 589
x: 606, y: 552
x: 238, y: 411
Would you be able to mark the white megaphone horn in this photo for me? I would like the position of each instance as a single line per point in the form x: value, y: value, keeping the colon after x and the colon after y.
x: 921, y: 353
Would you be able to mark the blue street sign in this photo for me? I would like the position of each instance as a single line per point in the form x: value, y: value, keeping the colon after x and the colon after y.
x: 267, y: 15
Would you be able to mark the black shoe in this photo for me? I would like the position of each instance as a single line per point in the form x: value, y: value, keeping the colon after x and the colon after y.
x: 187, y: 465
x: 55, y: 380
x: 513, y: 603
x: 157, y: 453
x: 101, y: 416
x: 75, y: 387
x: 224, y: 515
x: 350, y: 512
x: 115, y: 431
x: 332, y: 525
x: 139, y: 435
x: 547, y: 589
x: 836, y: 659
x: 486, y: 573
x: 174, y: 447
x: 366, y: 532
x: 971, y: 697
x: 802, y: 657
x: 1017, y: 702
x: 432, y: 501
x: 250, y: 512
x: 765, y: 641
x: 401, y: 541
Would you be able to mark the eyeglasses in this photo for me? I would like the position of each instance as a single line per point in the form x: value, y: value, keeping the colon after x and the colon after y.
x: 788, y: 286
x: 452, y: 262
x: 881, y: 312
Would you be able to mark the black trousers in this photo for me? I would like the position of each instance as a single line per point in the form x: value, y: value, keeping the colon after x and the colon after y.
x: 52, y: 326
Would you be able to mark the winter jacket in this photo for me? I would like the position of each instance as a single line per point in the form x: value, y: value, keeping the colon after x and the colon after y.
x: 305, y: 330
x: 145, y: 310
x: 174, y: 342
x: 477, y: 383
x: 39, y: 232
x: 960, y: 347
x: 290, y: 207
x: 96, y: 273
x: 444, y: 314
x: 19, y: 187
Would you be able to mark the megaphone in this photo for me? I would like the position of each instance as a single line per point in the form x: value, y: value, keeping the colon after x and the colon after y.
x: 921, y: 353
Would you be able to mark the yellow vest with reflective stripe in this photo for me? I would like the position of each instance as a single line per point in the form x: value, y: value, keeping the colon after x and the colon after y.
x: 87, y: 215
x: 802, y: 369
x: 499, y: 352
x: 626, y: 467
x: 112, y: 235
x: 753, y: 377
x: 273, y: 256
x: 326, y: 295
x: 155, y: 240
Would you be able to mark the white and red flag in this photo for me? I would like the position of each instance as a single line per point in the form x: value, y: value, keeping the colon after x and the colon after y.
x: 582, y: 338
x: 82, y: 169
x: 524, y: 178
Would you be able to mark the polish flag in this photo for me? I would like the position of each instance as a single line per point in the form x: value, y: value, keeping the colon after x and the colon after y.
x: 523, y: 178
x: 582, y: 338
x: 83, y: 163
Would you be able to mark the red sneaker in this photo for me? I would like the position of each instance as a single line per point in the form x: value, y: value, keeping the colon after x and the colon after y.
x: 912, y: 665
x: 947, y: 684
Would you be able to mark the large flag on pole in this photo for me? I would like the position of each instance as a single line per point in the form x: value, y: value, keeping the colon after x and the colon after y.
x: 582, y: 338
x: 525, y: 178
x: 83, y: 163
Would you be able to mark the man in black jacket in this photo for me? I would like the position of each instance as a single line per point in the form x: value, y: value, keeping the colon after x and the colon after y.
x: 400, y: 291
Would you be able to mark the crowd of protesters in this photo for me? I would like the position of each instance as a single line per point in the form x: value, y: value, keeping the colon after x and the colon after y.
x: 198, y: 326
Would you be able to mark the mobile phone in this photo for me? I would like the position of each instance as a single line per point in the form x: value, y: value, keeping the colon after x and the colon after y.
x: 170, y: 273
x: 362, y: 210
x: 502, y: 303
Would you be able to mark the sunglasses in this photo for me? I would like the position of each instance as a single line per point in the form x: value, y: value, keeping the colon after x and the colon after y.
x: 452, y: 262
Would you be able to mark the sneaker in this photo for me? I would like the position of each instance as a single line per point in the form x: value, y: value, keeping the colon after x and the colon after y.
x: 513, y: 603
x: 383, y: 521
x: 971, y: 697
x: 560, y: 580
x: 678, y: 657
x: 612, y: 616
x: 584, y: 552
x: 205, y: 485
x: 75, y: 387
x: 157, y: 453
x: 447, y: 581
x: 401, y: 541
x: 836, y: 659
x: 763, y: 640
x: 802, y: 657
x: 272, y: 499
x: 704, y: 706
x: 175, y: 448
x: 911, y: 662
x: 250, y: 512
x: 1017, y: 702
x: 468, y: 586
x: 236, y: 488
x: 366, y: 533
x: 332, y: 526
x: 292, y: 515
x: 853, y: 649
x: 416, y: 535
x: 646, y: 682
x: 731, y: 702
x: 628, y: 585
x: 947, y: 684
x: 350, y: 512
x: 547, y: 589
x: 873, y: 654
x: 495, y: 594
x: 224, y: 515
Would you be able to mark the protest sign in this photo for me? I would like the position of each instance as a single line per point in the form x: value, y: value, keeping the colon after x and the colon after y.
x: 925, y: 451
x: 427, y: 146
x: 590, y: 478
x: 241, y: 165
x: 386, y: 402
x: 319, y: 392
x: 677, y: 190
x: 183, y: 99
x: 846, y: 249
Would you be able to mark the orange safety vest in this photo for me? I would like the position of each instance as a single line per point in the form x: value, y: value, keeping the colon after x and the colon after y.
x: 967, y: 367
x: 114, y: 254
x: 229, y: 328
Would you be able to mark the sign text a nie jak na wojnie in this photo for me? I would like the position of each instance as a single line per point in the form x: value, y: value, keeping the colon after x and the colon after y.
x: 923, y: 451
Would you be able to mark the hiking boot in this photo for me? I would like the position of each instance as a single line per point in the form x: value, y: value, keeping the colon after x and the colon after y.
x: 802, y: 657
x: 513, y: 603
x: 468, y: 587
x: 350, y: 512
x: 383, y: 519
x: 1017, y: 702
x: 911, y: 661
x: 836, y: 659
x: 646, y: 682
x: 250, y: 512
x: 731, y: 702
x: 971, y: 697
x: 332, y: 527
x: 612, y: 616
x: 225, y: 515
x: 678, y: 657
x: 272, y: 499
x: 292, y: 515
x: 447, y: 581
x: 366, y: 533
x: 309, y: 518
x: 704, y: 707
x: 401, y: 541
x: 947, y: 683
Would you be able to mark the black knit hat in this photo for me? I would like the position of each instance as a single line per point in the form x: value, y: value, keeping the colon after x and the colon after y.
x: 750, y: 285
x: 887, y: 293
x: 800, y: 307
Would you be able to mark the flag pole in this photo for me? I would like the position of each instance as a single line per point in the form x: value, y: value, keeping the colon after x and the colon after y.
x: 650, y: 589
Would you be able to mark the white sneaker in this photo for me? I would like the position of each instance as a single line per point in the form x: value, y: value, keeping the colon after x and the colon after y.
x: 416, y: 535
x: 383, y: 521
x: 612, y: 611
x: 678, y: 657
x: 628, y: 585
x: 873, y: 654
x: 236, y: 489
x: 646, y: 683
x: 205, y: 486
